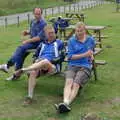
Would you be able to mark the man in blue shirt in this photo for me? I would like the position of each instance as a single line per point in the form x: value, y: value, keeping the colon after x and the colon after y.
x: 49, y: 50
x: 80, y: 56
x: 61, y: 24
x: 36, y: 27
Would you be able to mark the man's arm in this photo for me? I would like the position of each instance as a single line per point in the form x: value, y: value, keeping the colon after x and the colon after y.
x: 73, y: 56
x: 31, y: 40
x: 89, y: 53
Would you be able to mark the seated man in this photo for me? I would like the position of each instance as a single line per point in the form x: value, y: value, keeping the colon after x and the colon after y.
x: 36, y: 27
x: 80, y: 56
x: 49, y: 51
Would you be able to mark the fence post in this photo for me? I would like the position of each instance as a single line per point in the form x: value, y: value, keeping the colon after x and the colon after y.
x: 52, y: 11
x: 6, y: 22
x: 64, y: 10
x: 28, y: 15
x: 69, y: 8
x: 78, y: 7
x: 58, y: 9
x: 45, y: 13
x: 74, y: 7
x: 18, y: 21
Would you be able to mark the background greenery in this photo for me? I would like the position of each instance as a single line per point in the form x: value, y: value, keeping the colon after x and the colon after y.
x: 101, y: 97
x: 17, y: 6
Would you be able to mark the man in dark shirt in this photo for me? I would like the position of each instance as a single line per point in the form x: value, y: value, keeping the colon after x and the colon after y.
x: 36, y: 27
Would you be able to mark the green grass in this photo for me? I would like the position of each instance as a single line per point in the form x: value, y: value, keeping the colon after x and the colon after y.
x: 19, y: 6
x: 96, y: 97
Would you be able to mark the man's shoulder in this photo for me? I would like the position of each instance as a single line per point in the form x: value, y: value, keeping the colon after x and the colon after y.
x: 59, y: 42
x: 90, y: 37
x: 42, y: 21
x: 72, y: 39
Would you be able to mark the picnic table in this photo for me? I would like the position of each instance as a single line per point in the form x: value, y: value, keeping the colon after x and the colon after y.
x: 79, y: 15
x: 54, y: 19
x: 96, y: 29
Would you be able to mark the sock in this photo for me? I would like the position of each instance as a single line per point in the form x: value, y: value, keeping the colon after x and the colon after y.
x: 30, y: 94
x: 67, y: 102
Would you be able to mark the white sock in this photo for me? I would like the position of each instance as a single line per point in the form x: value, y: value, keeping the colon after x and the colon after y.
x: 66, y: 101
x: 30, y: 94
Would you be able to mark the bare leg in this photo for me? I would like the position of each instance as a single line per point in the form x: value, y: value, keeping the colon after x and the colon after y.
x: 38, y: 65
x: 67, y: 91
x: 43, y: 64
x: 74, y: 92
x: 32, y: 83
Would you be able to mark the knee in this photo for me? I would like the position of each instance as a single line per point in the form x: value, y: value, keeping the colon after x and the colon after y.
x: 69, y: 83
x: 33, y: 74
x: 45, y: 61
x: 20, y: 49
x: 76, y: 85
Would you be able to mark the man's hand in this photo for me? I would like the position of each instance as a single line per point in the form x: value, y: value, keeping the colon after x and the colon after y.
x: 25, y: 42
x: 25, y: 32
x: 89, y: 53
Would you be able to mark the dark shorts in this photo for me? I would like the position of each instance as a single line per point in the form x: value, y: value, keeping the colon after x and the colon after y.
x: 79, y: 75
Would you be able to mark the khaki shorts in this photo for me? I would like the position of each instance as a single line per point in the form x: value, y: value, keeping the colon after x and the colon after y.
x: 79, y: 75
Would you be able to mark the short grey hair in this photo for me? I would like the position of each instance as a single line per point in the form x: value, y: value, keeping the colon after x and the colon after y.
x: 80, y: 24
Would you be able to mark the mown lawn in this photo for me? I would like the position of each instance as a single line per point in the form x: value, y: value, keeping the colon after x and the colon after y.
x: 101, y: 97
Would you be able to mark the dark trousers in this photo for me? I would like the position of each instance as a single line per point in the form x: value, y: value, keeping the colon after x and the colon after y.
x: 20, y: 54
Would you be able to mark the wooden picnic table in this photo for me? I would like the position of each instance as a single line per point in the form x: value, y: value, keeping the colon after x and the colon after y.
x: 79, y: 15
x: 53, y: 19
x: 96, y: 30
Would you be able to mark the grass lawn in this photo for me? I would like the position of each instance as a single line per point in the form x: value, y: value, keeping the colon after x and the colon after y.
x: 19, y: 6
x: 101, y: 97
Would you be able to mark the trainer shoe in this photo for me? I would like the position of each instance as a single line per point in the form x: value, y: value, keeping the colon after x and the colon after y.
x: 27, y: 101
x: 63, y: 108
x: 12, y: 78
x: 4, y: 68
x: 56, y: 106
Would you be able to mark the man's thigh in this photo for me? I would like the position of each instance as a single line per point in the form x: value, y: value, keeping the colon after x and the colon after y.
x: 70, y: 73
x: 29, y: 46
x: 82, y: 76
x: 79, y: 75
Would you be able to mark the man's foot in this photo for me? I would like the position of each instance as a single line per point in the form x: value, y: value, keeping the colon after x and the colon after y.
x: 4, y: 68
x: 12, y: 78
x: 27, y: 101
x: 63, y: 108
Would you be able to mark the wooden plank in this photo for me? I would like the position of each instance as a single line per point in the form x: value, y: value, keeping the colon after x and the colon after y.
x: 97, y: 51
x: 100, y: 62
x: 31, y: 50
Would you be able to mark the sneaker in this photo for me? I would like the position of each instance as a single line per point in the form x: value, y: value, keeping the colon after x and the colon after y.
x: 63, y: 108
x: 4, y: 68
x: 56, y: 106
x: 27, y: 101
x: 12, y: 78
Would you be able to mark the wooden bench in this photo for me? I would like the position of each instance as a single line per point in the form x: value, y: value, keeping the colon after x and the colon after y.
x: 95, y: 62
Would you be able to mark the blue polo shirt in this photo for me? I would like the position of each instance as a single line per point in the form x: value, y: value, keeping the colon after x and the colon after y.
x: 76, y: 47
x: 36, y: 27
x: 50, y: 50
